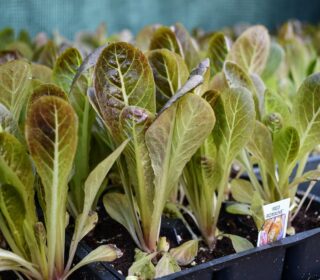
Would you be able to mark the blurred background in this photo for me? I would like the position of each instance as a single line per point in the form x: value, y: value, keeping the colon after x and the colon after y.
x: 70, y: 16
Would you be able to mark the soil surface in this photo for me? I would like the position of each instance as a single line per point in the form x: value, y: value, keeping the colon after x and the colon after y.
x: 109, y: 231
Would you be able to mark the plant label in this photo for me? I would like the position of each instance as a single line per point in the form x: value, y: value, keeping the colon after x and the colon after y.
x: 275, y: 222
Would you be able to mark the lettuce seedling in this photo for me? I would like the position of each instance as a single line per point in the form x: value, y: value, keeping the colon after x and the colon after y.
x: 66, y: 75
x: 206, y: 176
x: 279, y: 146
x: 160, y: 144
x: 284, y: 135
x: 38, y: 247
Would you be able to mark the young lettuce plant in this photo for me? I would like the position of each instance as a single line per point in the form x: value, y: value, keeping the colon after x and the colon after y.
x: 206, y: 176
x: 278, y: 146
x: 284, y: 135
x: 64, y: 75
x: 38, y: 248
x: 200, y: 182
x: 160, y: 145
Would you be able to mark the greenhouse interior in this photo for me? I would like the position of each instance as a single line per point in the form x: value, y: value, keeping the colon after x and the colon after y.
x: 159, y: 139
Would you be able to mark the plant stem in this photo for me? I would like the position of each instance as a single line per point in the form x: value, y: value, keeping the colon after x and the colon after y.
x: 310, y: 187
x: 302, y: 165
x: 252, y: 176
x: 221, y: 188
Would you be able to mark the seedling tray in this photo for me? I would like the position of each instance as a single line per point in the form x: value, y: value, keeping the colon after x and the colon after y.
x: 295, y: 257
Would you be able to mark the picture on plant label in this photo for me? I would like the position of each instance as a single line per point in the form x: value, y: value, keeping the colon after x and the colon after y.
x: 272, y: 230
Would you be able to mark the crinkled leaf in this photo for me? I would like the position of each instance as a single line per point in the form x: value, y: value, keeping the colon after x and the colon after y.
x: 123, y: 77
x: 217, y: 52
x: 185, y: 253
x: 251, y: 49
x: 66, y: 67
x: 170, y: 73
x: 164, y: 38
x: 242, y: 190
x: 15, y: 78
x: 306, y: 111
x: 239, y: 243
x: 51, y: 133
x: 167, y: 265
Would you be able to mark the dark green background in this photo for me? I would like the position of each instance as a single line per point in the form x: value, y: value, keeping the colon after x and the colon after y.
x: 70, y: 16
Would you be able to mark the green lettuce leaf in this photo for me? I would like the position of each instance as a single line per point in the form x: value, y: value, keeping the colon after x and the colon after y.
x: 251, y: 49
x: 51, y: 133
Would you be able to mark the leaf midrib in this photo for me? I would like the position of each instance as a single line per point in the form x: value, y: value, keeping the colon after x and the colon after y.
x: 53, y: 211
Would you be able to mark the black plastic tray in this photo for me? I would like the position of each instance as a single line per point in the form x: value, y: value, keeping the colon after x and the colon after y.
x: 295, y: 257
